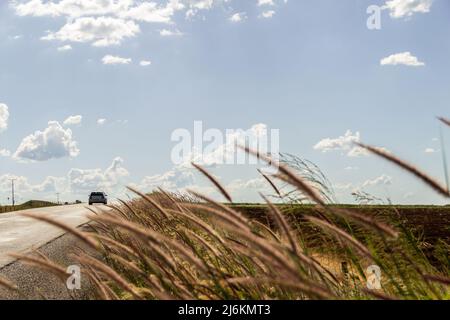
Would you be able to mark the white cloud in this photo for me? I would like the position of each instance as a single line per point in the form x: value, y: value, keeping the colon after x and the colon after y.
x: 150, y: 12
x: 265, y: 3
x: 145, y: 63
x: 101, y: 121
x: 109, y: 22
x: 343, y: 143
x: 50, y: 185
x: 430, y: 150
x: 404, y: 58
x: 4, y: 116
x: 406, y: 8
x: 66, y: 47
x: 238, y: 17
x: 343, y: 186
x: 170, y: 33
x: 257, y: 184
x: 70, y: 8
x: 381, y: 180
x: 52, y: 143
x: 77, y: 182
x: 5, y: 153
x: 86, y: 180
x: 172, y: 180
x: 109, y: 59
x: 183, y: 175
x: 100, y: 31
x: 268, y: 14
x: 73, y: 120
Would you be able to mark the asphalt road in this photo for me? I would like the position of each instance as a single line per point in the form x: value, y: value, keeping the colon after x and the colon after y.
x: 24, y: 235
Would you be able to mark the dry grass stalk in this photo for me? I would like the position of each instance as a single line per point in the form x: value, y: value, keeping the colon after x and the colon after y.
x: 289, y: 176
x: 43, y: 263
x: 438, y: 279
x: 214, y: 181
x: 236, y: 215
x: 367, y: 221
x: 7, y: 284
x: 340, y: 234
x: 110, y: 273
x: 445, y: 121
x: 80, y: 235
x: 274, y: 187
x: 408, y: 167
x: 309, y: 288
x: 200, y: 224
x: 282, y: 225
x: 156, y: 237
x: 151, y: 201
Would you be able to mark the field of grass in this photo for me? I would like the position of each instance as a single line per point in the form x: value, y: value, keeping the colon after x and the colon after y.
x: 428, y: 223
x: 27, y: 205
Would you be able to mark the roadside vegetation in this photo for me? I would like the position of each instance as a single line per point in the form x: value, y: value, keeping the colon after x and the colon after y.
x: 32, y: 204
x: 188, y: 246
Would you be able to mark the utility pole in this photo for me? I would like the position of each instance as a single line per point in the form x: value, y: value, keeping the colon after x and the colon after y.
x: 12, y: 193
x: 57, y: 198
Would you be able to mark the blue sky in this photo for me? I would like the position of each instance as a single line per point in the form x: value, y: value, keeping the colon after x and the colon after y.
x: 311, y: 69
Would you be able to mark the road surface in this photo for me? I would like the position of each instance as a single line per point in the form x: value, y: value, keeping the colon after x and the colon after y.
x: 23, y: 235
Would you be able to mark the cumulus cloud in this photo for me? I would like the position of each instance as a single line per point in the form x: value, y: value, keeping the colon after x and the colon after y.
x: 170, y: 33
x: 172, y: 180
x: 265, y: 3
x: 109, y: 22
x: 223, y: 149
x: 183, y: 175
x: 20, y: 183
x: 66, y: 47
x: 406, y: 8
x: 100, y: 31
x: 4, y: 116
x: 51, y: 143
x: 110, y: 59
x: 5, y: 153
x: 76, y: 182
x: 70, y: 8
x: 87, y: 180
x: 238, y: 17
x: 430, y: 150
x: 404, y: 58
x: 50, y: 185
x: 379, y: 181
x: 256, y: 185
x: 345, y: 143
x: 145, y: 63
x: 73, y: 120
x: 151, y: 12
x: 267, y: 14
x: 101, y: 121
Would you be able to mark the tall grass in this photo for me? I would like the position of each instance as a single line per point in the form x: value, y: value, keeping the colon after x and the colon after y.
x: 168, y: 246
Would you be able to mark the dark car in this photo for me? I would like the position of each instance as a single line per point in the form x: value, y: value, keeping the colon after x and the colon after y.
x: 98, y: 197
